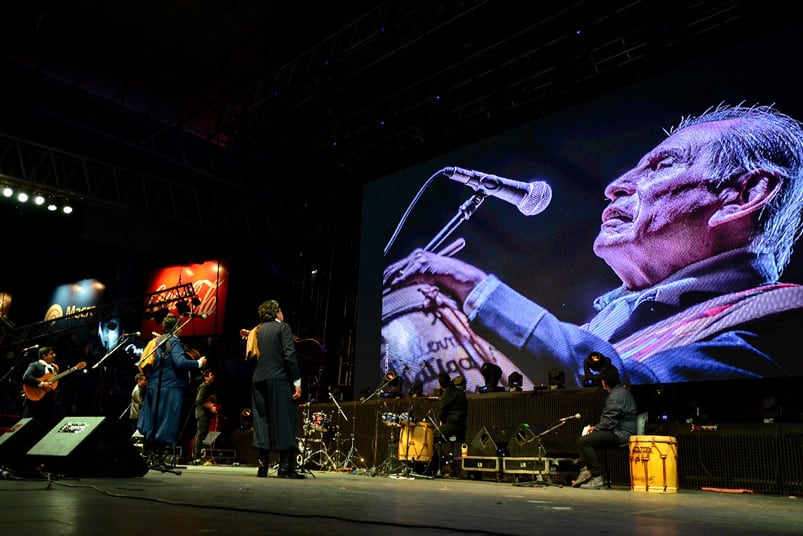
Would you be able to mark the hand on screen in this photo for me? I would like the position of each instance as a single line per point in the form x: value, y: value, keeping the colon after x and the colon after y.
x: 453, y: 276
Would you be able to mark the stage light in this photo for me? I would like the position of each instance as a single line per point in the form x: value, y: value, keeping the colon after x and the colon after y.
x: 592, y: 365
x: 38, y: 200
x: 557, y: 379
x: 7, y: 191
x: 22, y: 197
x: 514, y: 381
x: 492, y: 374
x: 183, y: 308
x: 67, y: 209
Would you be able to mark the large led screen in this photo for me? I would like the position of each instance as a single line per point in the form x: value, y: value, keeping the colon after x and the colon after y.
x: 517, y: 286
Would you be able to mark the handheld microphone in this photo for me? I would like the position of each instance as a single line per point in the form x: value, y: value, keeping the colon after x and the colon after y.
x: 530, y: 198
x: 204, y: 315
x: 34, y: 347
x: 575, y: 416
x: 134, y: 334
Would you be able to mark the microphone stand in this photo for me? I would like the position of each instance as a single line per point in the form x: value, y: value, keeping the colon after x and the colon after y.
x: 110, y: 352
x: 539, y: 477
x: 378, y: 390
x: 17, y: 361
x: 465, y: 211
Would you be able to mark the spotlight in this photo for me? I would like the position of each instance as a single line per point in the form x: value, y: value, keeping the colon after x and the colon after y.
x: 52, y: 207
x: 514, y: 381
x: 591, y: 368
x: 183, y: 308
x: 557, y: 379
x: 22, y: 197
x: 67, y: 209
x: 158, y: 315
x: 38, y: 200
x: 492, y: 374
x: 7, y: 191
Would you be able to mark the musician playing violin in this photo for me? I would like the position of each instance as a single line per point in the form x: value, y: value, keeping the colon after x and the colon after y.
x: 36, y: 375
x: 206, y: 408
x: 167, y: 380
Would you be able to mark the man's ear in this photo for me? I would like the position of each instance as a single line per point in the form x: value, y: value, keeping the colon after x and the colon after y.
x: 748, y: 194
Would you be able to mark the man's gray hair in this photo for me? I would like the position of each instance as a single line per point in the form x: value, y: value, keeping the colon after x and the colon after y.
x: 767, y: 140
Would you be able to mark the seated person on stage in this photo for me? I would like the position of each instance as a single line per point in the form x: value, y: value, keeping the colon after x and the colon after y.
x: 616, y: 424
x: 452, y: 412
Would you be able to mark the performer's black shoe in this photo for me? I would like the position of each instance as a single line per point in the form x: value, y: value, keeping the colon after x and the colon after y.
x: 262, y: 471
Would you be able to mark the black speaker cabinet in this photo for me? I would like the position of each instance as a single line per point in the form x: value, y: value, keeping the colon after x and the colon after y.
x: 89, y: 447
x: 490, y: 441
x: 14, y: 444
x: 525, y: 443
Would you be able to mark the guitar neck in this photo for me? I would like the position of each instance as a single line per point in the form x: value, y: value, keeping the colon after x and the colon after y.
x: 68, y: 371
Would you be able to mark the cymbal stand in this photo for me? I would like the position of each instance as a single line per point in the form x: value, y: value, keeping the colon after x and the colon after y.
x: 353, y: 455
x: 539, y: 476
x: 388, y: 466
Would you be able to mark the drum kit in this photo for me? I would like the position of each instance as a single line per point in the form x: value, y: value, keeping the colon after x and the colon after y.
x: 320, y: 436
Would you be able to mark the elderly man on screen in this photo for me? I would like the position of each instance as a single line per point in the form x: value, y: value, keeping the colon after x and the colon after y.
x: 699, y: 232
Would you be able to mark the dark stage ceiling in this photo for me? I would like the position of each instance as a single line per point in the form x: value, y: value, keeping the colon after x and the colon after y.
x: 240, y: 107
x: 232, y: 125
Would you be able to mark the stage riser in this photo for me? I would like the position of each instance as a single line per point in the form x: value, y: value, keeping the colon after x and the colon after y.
x: 761, y: 457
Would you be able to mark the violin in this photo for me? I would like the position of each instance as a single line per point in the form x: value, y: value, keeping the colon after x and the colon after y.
x: 149, y: 353
x: 192, y: 353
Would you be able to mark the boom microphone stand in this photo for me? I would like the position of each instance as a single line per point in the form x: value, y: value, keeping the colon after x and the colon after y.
x: 539, y: 477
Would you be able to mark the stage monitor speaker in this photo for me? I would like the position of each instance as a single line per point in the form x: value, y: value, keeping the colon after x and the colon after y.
x: 490, y: 441
x: 525, y: 443
x: 89, y: 447
x: 14, y: 444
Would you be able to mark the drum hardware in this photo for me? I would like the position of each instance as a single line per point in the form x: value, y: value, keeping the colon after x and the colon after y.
x: 303, y: 456
x: 352, y: 458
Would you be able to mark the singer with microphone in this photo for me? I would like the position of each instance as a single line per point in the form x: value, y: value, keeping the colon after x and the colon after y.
x: 616, y: 424
x: 698, y: 232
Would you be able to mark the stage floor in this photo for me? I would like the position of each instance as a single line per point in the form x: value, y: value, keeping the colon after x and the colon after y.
x: 232, y: 500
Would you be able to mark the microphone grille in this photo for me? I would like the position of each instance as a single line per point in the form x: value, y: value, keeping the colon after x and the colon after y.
x: 539, y: 195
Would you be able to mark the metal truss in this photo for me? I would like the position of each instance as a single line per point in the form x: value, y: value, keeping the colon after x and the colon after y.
x: 123, y: 191
x: 11, y: 336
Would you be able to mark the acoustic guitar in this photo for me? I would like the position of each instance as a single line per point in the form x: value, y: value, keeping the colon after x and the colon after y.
x: 36, y: 393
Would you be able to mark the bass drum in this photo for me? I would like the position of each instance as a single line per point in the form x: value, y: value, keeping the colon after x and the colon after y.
x: 424, y: 330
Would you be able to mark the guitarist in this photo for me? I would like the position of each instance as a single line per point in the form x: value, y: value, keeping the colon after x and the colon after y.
x: 36, y: 375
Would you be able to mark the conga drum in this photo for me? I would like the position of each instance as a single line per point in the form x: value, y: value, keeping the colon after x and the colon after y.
x: 417, y: 442
x: 653, y: 464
